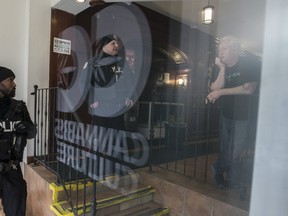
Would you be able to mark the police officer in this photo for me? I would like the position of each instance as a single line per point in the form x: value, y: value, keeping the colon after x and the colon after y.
x: 107, y: 70
x: 15, y: 128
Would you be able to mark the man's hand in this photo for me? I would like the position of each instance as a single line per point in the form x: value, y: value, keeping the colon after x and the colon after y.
x: 94, y: 105
x: 128, y: 102
x: 22, y: 127
x: 213, y: 96
x: 218, y: 62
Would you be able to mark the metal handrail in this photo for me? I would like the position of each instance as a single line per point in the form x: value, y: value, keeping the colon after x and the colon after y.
x: 190, y: 127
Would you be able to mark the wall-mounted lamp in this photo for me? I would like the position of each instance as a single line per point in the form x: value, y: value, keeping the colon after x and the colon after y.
x: 80, y: 1
x: 208, y: 14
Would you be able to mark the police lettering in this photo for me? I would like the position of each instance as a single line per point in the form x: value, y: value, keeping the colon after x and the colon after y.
x: 8, y: 126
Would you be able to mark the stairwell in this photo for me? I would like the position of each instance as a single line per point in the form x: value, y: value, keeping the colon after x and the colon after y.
x: 116, y: 196
x: 126, y: 197
x: 150, y: 193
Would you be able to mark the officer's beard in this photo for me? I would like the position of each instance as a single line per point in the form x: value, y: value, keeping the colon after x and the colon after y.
x: 6, y: 92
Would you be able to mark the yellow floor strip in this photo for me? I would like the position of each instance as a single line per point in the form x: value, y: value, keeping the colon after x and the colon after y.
x: 165, y: 211
x: 124, y: 198
x: 57, y: 206
x: 72, y: 186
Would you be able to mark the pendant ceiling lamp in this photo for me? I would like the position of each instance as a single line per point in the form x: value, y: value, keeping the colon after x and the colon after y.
x: 96, y: 2
x: 208, y: 14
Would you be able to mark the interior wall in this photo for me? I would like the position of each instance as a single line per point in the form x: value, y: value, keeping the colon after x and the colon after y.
x: 13, y: 41
x: 24, y: 42
x: 60, y: 21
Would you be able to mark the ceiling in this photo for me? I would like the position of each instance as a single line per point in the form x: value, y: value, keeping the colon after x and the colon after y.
x: 242, y: 18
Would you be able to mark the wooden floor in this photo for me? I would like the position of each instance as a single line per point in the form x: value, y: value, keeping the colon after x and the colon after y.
x: 198, y: 170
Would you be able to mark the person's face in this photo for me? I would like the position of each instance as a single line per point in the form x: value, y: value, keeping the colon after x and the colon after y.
x: 227, y: 54
x: 8, y: 87
x: 130, y: 58
x: 111, y: 48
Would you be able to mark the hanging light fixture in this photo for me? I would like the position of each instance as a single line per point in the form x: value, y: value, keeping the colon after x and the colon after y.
x: 96, y: 2
x: 208, y: 14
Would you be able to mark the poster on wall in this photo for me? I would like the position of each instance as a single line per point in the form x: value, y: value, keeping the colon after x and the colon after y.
x: 62, y: 46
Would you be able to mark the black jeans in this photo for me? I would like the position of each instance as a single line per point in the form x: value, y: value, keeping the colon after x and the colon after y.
x: 13, y: 191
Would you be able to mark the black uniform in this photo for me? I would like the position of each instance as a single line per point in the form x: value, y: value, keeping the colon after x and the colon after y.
x: 16, y: 127
x: 103, y: 77
x: 107, y: 70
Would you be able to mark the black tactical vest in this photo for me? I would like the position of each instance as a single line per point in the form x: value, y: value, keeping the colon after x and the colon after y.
x: 7, y: 122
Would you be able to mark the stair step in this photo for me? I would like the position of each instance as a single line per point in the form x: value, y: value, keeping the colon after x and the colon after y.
x: 108, y: 200
x: 86, y: 186
x: 146, y: 209
x: 72, y: 188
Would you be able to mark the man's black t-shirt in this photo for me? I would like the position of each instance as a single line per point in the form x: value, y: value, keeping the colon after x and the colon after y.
x: 241, y: 107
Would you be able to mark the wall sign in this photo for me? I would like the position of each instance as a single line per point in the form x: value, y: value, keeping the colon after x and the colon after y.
x: 62, y: 46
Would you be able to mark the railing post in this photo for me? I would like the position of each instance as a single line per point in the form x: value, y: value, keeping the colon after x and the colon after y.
x: 35, y: 119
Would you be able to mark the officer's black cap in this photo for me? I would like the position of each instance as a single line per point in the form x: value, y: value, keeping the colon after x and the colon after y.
x: 5, y: 73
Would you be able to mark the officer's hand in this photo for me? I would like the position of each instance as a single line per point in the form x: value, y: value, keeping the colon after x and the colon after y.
x: 22, y: 127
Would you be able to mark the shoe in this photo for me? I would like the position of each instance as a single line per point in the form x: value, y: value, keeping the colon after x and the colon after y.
x: 231, y: 185
x: 218, y: 177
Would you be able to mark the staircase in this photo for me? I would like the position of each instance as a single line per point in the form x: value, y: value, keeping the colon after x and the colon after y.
x: 115, y: 196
